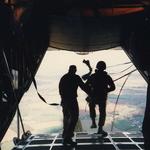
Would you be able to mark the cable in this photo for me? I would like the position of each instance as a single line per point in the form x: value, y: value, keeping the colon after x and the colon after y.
x: 122, y: 70
x: 119, y: 95
x: 125, y: 75
x: 126, y: 63
x: 117, y: 101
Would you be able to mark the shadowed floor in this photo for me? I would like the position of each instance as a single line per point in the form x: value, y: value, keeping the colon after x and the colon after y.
x: 86, y: 141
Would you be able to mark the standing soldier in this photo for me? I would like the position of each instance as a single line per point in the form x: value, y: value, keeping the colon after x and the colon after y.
x: 101, y: 84
x: 68, y: 86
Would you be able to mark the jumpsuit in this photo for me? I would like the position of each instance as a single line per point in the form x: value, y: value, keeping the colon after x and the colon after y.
x: 100, y: 83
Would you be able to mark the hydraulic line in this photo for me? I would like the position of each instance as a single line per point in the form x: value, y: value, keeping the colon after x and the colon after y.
x: 21, y: 121
x: 19, y: 118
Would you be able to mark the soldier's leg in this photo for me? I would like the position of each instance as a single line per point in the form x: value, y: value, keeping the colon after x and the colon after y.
x: 74, y: 113
x: 102, y: 118
x: 92, y: 114
x: 73, y: 118
x: 66, y: 120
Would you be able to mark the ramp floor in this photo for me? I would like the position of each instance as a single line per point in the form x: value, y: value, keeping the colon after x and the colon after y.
x: 86, y: 141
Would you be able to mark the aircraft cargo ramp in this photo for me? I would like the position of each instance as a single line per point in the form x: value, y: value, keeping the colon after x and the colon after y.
x: 86, y: 141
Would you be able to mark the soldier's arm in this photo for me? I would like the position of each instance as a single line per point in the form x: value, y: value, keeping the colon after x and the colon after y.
x: 111, y: 84
x: 83, y: 86
x: 87, y: 75
x: 60, y: 87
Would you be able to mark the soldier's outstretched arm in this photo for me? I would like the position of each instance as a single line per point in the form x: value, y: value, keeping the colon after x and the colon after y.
x: 83, y: 86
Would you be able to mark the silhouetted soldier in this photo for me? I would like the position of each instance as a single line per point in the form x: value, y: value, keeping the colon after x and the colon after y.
x: 100, y: 83
x: 68, y: 86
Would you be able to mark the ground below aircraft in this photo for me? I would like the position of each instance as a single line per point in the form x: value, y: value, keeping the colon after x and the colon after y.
x: 29, y: 27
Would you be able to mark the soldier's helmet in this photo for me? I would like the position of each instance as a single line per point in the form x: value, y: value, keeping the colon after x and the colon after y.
x: 101, y: 65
